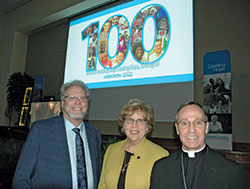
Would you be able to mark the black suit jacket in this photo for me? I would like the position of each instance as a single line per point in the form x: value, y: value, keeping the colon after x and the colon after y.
x: 218, y: 173
x: 45, y: 162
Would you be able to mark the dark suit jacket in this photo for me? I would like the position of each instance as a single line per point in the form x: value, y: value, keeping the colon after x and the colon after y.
x: 45, y: 162
x: 218, y: 173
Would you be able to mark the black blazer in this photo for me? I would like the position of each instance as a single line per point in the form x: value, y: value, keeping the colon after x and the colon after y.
x: 218, y: 173
x: 45, y: 162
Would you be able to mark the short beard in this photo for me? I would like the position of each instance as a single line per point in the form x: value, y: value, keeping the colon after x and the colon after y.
x: 74, y: 117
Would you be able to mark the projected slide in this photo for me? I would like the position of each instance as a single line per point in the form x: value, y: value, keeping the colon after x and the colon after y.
x: 137, y: 43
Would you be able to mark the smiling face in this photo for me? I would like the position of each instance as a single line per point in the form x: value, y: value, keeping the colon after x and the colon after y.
x: 115, y: 20
x: 135, y: 132
x: 74, y: 111
x: 139, y: 53
x: 120, y: 57
x: 158, y: 48
x: 192, y: 137
x: 106, y: 27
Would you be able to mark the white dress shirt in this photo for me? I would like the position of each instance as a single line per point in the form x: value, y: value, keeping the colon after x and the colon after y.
x: 72, y: 153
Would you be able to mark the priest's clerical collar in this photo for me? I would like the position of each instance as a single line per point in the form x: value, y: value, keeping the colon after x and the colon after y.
x: 191, y: 154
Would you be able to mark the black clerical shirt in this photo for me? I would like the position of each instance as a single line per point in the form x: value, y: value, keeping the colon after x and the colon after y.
x: 192, y: 168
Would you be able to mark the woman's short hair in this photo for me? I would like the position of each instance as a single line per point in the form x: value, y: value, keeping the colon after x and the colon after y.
x: 78, y: 83
x: 136, y: 105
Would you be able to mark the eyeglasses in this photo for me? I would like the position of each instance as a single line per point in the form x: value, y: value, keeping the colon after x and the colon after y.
x: 131, y: 121
x: 198, y: 123
x: 72, y: 99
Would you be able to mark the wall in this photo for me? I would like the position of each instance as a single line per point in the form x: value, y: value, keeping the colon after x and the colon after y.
x: 224, y: 25
x: 218, y: 25
x: 18, y: 25
x: 48, y: 59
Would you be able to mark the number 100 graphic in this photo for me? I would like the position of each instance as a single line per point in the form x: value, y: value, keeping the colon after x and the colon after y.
x: 147, y: 38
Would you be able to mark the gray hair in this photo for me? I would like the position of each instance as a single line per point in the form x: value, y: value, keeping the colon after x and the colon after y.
x: 78, y: 83
x: 188, y: 104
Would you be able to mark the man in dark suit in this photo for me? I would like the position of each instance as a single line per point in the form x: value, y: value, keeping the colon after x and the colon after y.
x: 49, y: 155
x: 195, y: 166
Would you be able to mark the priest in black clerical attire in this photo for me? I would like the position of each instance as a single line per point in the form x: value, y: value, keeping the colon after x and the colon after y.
x: 195, y: 166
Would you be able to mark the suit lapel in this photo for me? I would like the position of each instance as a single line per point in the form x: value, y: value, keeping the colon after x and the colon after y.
x: 60, y: 134
x: 92, y: 144
x: 91, y: 140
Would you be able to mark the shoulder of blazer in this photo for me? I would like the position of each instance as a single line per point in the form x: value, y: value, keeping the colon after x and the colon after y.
x: 119, y: 144
x: 52, y: 122
x: 116, y: 148
x: 49, y: 120
x: 91, y: 129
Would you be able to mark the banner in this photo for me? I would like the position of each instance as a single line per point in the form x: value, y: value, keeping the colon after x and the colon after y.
x: 218, y: 99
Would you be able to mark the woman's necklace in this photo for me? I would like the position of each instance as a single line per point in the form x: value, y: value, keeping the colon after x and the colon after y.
x: 126, y: 161
x: 124, y: 167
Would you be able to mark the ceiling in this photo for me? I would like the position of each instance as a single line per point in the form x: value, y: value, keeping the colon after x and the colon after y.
x: 6, y: 6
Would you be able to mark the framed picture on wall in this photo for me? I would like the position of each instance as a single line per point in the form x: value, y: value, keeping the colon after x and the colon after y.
x: 27, y: 96
x: 24, y: 116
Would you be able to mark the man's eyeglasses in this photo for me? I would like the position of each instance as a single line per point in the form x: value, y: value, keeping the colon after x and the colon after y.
x: 73, y: 99
x: 198, y: 123
x: 131, y: 121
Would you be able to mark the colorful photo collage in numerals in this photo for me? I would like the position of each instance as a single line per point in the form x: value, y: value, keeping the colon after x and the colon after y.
x: 92, y: 31
x: 161, y: 20
x: 123, y: 41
